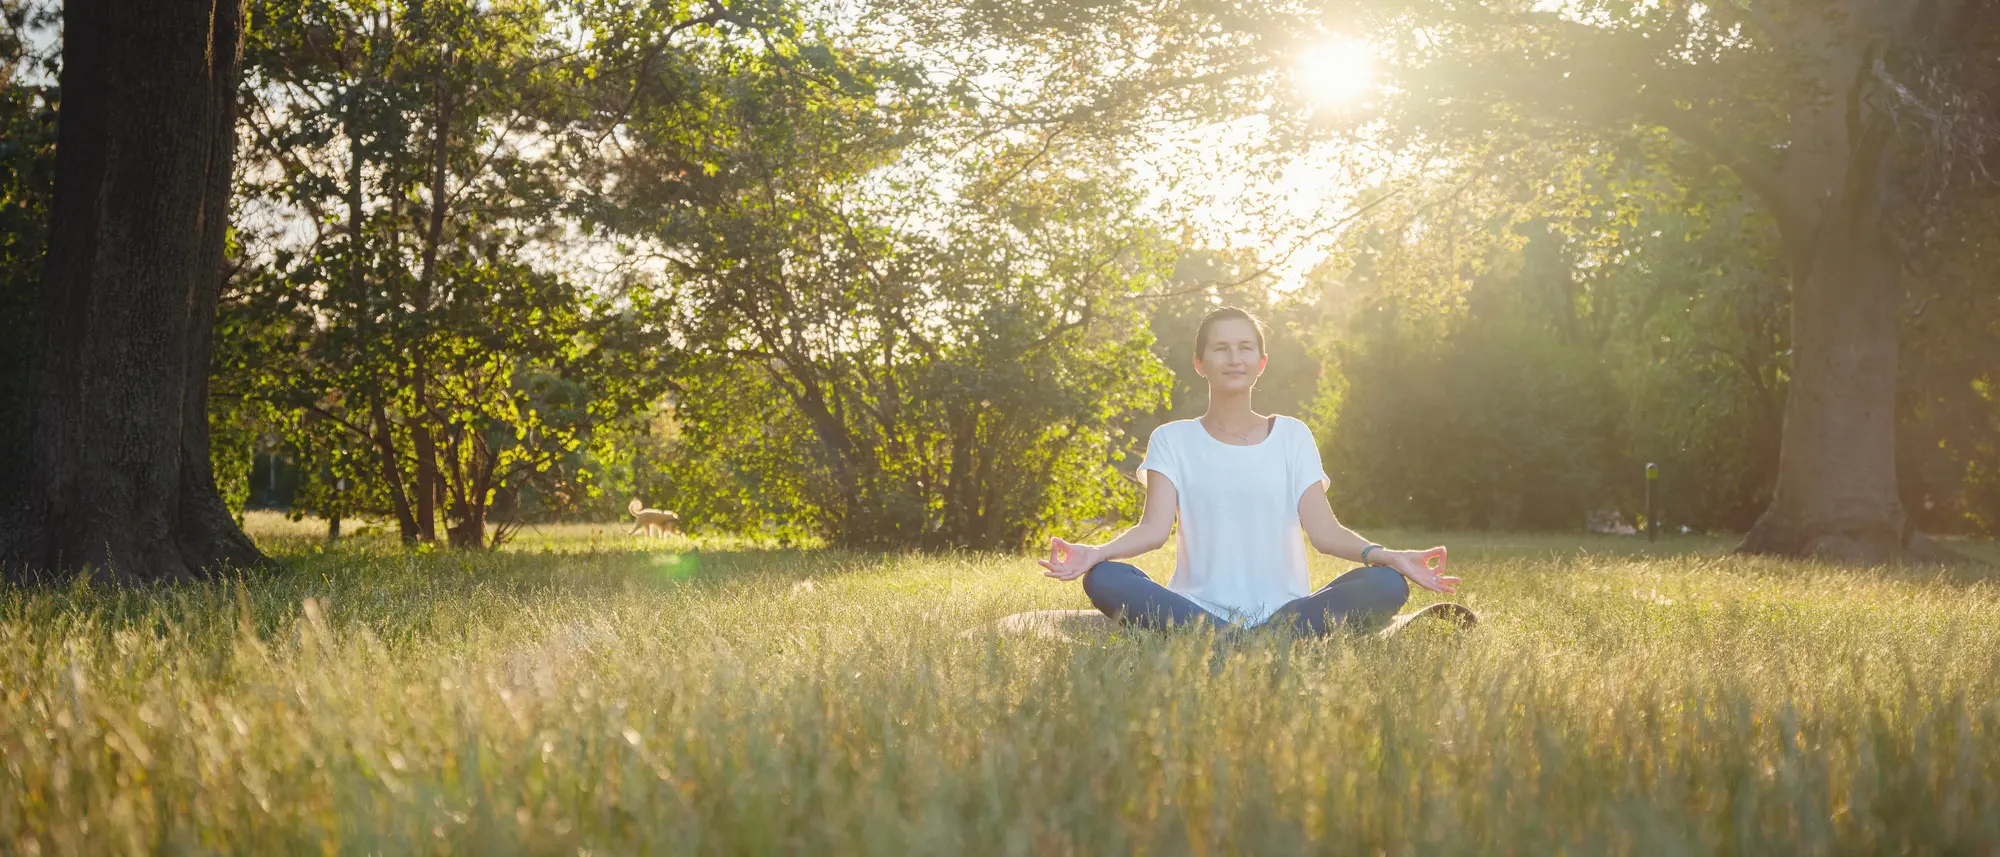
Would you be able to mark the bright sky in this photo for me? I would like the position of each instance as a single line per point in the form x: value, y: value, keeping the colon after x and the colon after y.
x: 1285, y: 217
x: 1235, y: 205
x: 1199, y: 177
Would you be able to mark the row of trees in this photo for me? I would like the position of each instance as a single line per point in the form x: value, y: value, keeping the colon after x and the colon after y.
x: 849, y: 352
x: 895, y: 280
x: 478, y: 246
x: 389, y: 322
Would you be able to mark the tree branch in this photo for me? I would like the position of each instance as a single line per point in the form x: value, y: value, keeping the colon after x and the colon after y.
x: 1688, y: 126
x: 1265, y: 270
x: 1141, y: 90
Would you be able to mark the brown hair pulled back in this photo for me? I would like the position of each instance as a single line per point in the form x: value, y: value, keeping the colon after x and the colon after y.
x: 1226, y: 313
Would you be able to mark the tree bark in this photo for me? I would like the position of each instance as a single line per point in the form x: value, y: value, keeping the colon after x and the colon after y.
x: 391, y: 468
x: 207, y: 529
x: 430, y: 483
x: 118, y: 474
x: 475, y: 487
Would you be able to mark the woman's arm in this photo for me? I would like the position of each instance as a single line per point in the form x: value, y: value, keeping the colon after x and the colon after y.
x: 1069, y: 561
x: 1329, y: 536
x: 1326, y: 533
x: 1156, y: 522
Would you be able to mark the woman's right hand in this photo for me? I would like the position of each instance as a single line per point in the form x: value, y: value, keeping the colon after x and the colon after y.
x: 1067, y: 561
x: 1424, y: 568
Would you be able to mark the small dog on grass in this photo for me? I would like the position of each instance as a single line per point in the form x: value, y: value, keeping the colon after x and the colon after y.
x: 653, y: 521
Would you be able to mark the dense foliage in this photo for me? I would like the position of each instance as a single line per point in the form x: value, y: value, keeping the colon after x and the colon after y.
x: 389, y: 321
x: 488, y: 253
x: 1507, y: 358
x: 879, y: 385
x: 27, y: 176
x: 1519, y: 369
x: 821, y: 276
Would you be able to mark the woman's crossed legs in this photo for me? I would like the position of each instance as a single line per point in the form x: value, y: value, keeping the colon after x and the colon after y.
x: 1363, y: 597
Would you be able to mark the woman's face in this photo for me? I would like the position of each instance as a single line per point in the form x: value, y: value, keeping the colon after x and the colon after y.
x: 1230, y: 360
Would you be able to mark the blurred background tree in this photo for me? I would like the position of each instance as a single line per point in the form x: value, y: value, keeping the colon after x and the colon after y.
x: 27, y: 180
x: 407, y: 163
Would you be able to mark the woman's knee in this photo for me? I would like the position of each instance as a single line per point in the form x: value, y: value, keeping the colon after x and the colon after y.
x: 1106, y: 574
x: 1387, y: 585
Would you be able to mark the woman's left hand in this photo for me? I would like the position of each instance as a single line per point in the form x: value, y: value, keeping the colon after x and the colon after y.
x: 1425, y: 568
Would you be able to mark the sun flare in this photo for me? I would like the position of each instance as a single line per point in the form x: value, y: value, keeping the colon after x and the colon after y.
x: 1335, y: 72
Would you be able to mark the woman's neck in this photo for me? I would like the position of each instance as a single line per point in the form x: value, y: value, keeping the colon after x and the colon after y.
x: 1230, y: 411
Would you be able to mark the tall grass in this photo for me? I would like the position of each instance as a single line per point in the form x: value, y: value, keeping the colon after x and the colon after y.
x: 616, y: 697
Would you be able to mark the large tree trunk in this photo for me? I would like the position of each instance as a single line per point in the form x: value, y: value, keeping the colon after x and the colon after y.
x: 1836, y: 496
x: 119, y: 475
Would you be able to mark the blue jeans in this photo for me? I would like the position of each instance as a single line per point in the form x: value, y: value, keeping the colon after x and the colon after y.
x: 1361, y: 598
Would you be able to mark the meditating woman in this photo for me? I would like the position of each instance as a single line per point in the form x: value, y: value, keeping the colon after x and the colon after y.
x: 1243, y: 486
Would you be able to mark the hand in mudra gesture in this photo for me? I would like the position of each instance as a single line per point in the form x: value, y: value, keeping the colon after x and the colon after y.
x: 1425, y: 568
x: 1067, y: 561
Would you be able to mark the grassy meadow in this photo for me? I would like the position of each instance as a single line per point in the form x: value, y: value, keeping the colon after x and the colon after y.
x: 585, y: 692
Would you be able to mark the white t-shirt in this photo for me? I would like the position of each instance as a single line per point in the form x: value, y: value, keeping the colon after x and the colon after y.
x: 1238, y: 550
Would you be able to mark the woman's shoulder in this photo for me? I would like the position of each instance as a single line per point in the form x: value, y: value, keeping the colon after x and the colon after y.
x: 1295, y: 427
x: 1174, y: 431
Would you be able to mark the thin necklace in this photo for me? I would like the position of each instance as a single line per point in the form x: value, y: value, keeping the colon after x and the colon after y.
x: 1245, y: 437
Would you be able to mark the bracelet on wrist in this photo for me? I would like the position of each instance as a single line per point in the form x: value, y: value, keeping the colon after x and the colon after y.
x: 1364, y: 552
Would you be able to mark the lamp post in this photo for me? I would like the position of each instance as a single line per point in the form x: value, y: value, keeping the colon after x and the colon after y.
x: 1652, y: 509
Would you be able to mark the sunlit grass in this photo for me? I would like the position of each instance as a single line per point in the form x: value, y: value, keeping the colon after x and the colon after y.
x: 676, y: 696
